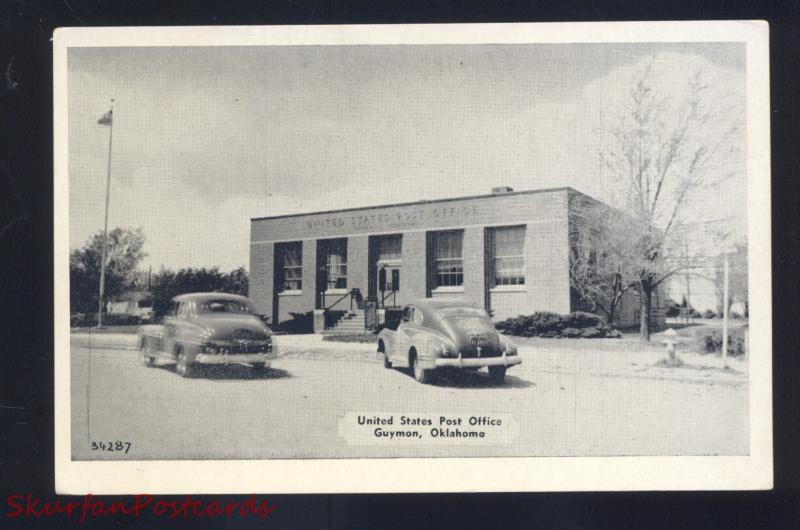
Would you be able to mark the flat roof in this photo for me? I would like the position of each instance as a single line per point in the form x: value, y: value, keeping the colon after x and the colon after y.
x: 430, y: 201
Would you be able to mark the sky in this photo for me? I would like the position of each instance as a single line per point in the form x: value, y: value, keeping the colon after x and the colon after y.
x: 206, y: 138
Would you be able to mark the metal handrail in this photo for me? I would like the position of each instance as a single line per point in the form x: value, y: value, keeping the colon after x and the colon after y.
x: 345, y: 295
x: 393, y: 294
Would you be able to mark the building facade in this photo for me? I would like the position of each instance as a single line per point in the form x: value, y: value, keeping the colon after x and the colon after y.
x: 506, y: 251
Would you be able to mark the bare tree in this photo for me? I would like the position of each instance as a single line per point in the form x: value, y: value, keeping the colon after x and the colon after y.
x: 665, y: 145
x: 599, y: 270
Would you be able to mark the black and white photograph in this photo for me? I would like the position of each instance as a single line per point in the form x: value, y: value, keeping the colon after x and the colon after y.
x: 536, y: 250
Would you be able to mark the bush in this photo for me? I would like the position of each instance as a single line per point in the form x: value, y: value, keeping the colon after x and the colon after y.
x: 551, y: 325
x: 711, y: 342
x: 673, y: 308
x: 299, y: 323
x: 120, y: 320
x: 709, y: 314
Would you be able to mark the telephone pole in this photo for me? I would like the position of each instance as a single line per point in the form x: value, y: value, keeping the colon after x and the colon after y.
x: 106, y: 119
x: 725, y: 313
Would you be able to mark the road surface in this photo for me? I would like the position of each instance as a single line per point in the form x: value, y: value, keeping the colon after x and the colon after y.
x: 293, y: 410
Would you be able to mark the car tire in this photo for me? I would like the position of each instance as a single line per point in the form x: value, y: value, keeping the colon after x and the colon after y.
x: 497, y: 374
x: 147, y: 357
x: 420, y: 374
x: 182, y: 365
x: 382, y: 349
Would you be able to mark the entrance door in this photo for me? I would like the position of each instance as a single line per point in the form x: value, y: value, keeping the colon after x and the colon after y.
x: 388, y: 283
x: 385, y: 260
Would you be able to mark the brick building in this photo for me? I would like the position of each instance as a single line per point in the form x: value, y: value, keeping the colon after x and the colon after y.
x: 506, y: 251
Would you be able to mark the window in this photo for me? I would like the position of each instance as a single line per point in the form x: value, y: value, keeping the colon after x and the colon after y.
x: 223, y: 306
x: 448, y: 258
x: 390, y: 248
x: 291, y: 256
x: 509, y: 255
x: 336, y: 263
x: 412, y: 315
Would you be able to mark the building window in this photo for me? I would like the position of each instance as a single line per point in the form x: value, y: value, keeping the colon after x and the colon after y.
x: 509, y: 255
x: 336, y: 263
x: 448, y: 258
x: 291, y: 256
x: 390, y: 249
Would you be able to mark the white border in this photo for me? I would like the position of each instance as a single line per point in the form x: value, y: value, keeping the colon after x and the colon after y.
x: 440, y: 474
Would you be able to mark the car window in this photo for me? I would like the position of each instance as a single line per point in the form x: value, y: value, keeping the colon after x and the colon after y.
x: 183, y: 309
x: 407, y: 314
x: 416, y: 316
x: 448, y: 312
x: 223, y: 306
x: 173, y: 308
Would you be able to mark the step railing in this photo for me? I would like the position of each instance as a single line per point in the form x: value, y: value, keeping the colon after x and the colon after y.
x: 355, y: 297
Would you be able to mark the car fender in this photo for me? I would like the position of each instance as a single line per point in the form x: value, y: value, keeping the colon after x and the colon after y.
x: 388, y: 337
x: 429, y: 345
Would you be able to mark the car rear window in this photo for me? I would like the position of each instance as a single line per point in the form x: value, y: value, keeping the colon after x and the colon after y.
x: 223, y: 306
x: 452, y: 312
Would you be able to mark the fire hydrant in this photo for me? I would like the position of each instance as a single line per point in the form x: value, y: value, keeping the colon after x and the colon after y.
x: 670, y: 340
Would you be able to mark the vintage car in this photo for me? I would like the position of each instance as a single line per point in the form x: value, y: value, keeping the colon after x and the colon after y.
x: 207, y: 329
x: 435, y: 334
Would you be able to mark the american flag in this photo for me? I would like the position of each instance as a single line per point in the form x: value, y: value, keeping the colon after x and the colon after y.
x: 106, y: 119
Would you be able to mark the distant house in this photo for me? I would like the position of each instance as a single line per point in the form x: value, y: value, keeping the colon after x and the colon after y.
x: 133, y: 303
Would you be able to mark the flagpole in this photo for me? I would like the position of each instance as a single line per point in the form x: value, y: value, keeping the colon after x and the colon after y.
x: 105, y: 224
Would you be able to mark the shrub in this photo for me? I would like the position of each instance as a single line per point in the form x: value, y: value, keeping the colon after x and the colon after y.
x: 299, y: 323
x: 709, y: 314
x: 711, y: 342
x: 551, y: 325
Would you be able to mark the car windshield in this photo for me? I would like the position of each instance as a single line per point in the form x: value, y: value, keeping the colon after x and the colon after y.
x: 460, y: 312
x: 223, y: 306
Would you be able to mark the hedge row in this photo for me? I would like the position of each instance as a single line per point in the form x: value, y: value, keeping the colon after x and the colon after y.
x: 711, y: 342
x: 553, y: 325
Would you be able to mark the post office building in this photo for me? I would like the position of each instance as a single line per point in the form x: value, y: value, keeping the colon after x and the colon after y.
x: 507, y: 251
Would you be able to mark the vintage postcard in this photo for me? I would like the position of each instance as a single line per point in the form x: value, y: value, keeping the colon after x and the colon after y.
x: 502, y: 257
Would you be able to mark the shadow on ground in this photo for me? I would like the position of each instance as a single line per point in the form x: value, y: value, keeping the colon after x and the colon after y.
x: 476, y: 379
x: 232, y: 372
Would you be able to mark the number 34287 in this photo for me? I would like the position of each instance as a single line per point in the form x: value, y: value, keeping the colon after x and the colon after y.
x: 116, y: 446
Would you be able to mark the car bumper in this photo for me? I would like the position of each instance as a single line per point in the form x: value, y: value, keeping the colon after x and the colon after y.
x: 477, y: 362
x: 239, y: 358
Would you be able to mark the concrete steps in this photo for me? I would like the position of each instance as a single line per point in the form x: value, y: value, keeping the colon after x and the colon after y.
x: 353, y: 322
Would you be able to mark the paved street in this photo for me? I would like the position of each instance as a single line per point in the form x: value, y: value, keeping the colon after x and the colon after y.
x: 566, y: 404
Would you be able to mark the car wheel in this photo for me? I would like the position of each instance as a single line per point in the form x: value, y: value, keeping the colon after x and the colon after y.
x: 183, y: 366
x: 497, y: 373
x: 420, y: 374
x: 382, y: 349
x: 148, y: 350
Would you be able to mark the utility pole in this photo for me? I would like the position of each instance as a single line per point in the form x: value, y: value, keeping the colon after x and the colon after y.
x: 107, y: 119
x: 688, y: 284
x: 725, y: 313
